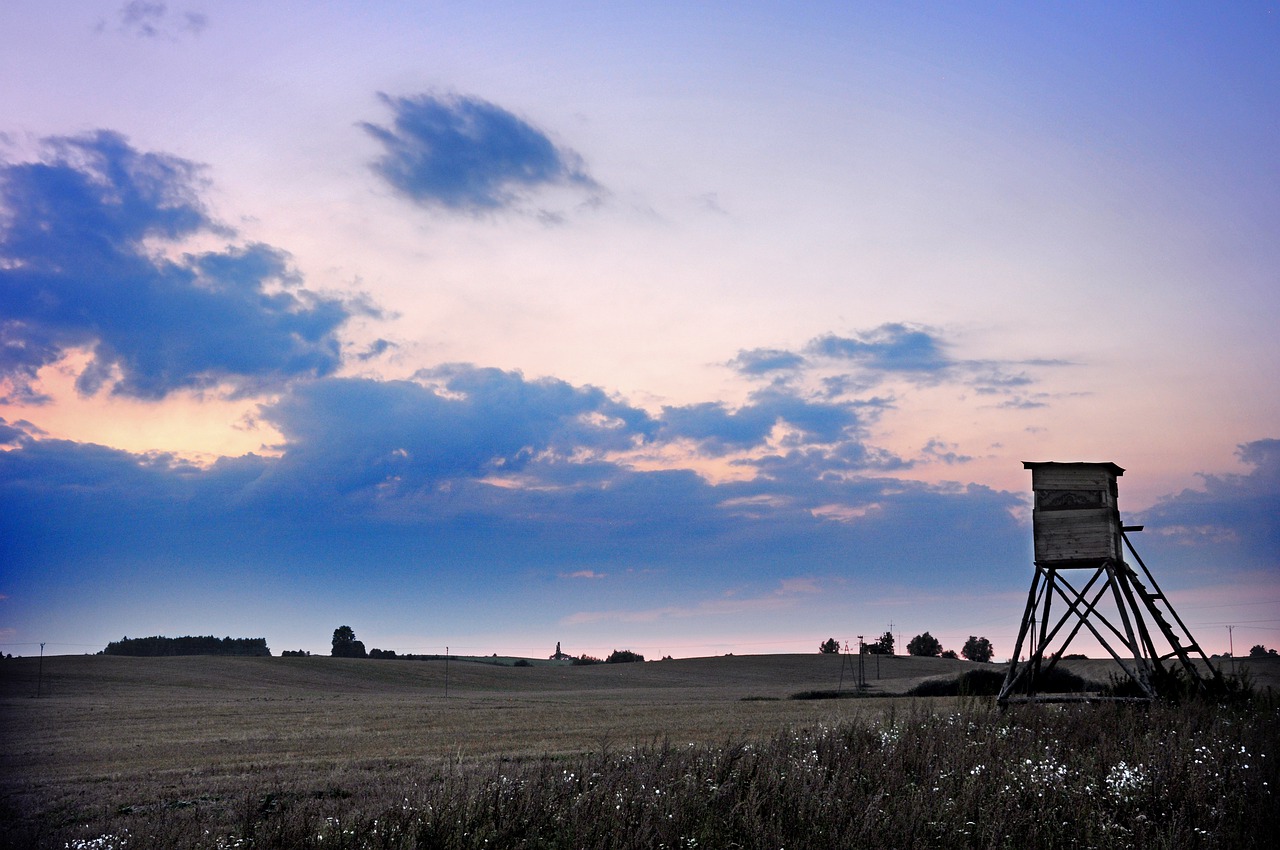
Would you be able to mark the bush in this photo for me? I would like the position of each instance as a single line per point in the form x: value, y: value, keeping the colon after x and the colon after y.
x: 830, y: 646
x: 623, y: 656
x: 989, y: 682
x: 969, y: 683
x: 823, y: 694
x: 1060, y: 681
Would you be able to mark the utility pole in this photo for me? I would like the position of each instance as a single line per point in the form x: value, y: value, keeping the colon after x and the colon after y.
x: 862, y: 660
x: 40, y: 671
x: 446, y: 672
x: 1230, y: 644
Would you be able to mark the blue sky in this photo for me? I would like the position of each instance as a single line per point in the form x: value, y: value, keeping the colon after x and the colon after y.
x: 689, y: 329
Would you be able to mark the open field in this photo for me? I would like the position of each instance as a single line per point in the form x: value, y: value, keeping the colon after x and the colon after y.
x: 103, y: 715
x: 119, y: 744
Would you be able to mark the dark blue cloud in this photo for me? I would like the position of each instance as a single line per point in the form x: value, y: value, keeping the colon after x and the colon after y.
x: 467, y: 466
x: 1237, y: 514
x: 82, y: 265
x: 384, y: 477
x: 720, y: 429
x: 467, y: 154
x: 889, y: 348
x: 376, y: 349
x: 466, y: 422
x: 759, y: 361
x: 17, y: 433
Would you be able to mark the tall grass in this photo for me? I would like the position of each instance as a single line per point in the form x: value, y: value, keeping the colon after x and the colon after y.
x: 1161, y: 776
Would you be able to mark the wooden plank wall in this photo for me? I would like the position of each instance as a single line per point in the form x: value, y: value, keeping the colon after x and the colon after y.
x: 1084, y: 535
x: 1070, y: 478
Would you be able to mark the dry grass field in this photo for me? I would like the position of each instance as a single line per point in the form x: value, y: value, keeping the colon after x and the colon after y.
x: 102, y: 716
x: 112, y: 738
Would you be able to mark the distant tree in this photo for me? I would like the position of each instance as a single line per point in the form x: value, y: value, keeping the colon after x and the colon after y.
x: 882, y: 645
x: 950, y: 653
x: 925, y: 644
x: 830, y: 646
x: 345, y: 644
x: 1260, y: 651
x: 977, y: 649
x: 583, y: 660
x: 381, y: 653
x: 295, y: 653
x: 623, y: 656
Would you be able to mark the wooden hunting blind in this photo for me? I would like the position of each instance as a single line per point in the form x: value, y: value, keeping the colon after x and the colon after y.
x: 1075, y: 518
x: 1079, y: 564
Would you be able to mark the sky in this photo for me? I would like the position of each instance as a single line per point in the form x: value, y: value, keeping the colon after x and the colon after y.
x: 690, y: 329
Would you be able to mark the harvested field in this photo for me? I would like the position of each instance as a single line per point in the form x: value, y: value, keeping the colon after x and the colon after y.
x: 114, y: 743
x: 103, y: 715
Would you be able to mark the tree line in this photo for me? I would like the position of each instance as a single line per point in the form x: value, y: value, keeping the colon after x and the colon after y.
x: 187, y: 645
x: 975, y: 648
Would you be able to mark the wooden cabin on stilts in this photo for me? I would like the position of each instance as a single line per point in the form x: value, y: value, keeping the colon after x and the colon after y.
x: 1083, y: 582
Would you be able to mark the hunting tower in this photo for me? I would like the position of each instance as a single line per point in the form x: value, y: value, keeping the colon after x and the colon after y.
x: 1079, y: 561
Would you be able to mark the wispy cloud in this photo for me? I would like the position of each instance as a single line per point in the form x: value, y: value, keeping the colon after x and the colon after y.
x: 152, y: 19
x: 897, y: 354
x: 585, y: 574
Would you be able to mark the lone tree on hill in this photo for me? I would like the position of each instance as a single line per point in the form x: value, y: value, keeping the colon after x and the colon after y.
x: 977, y: 649
x: 925, y: 644
x: 830, y: 646
x: 345, y: 644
